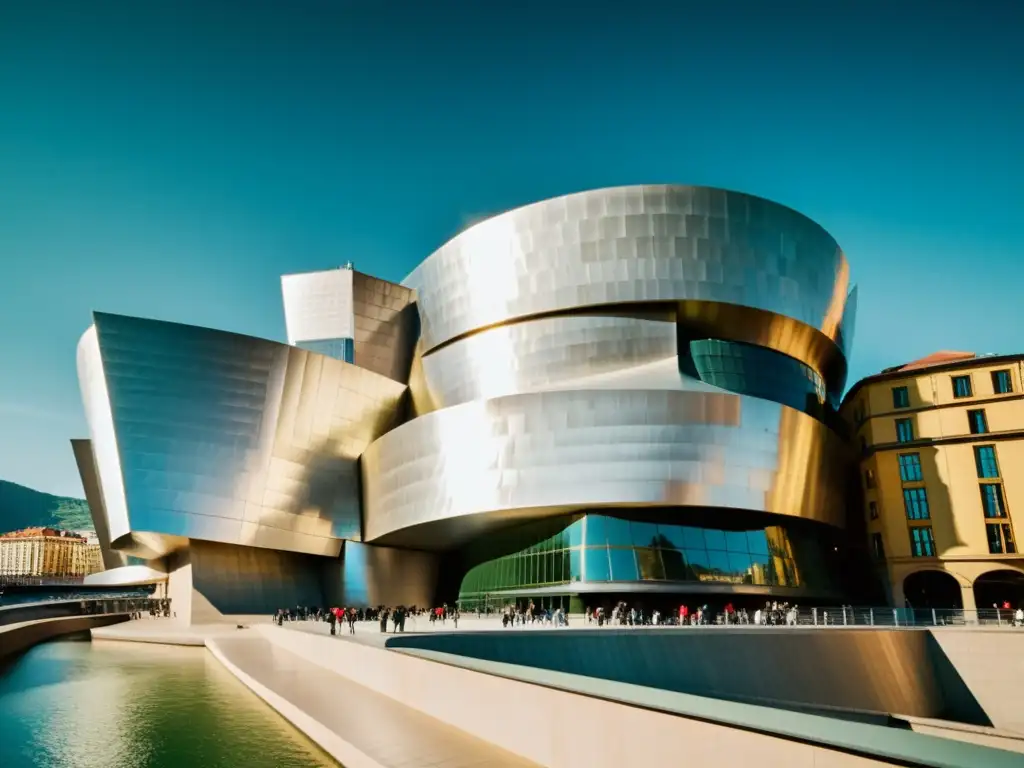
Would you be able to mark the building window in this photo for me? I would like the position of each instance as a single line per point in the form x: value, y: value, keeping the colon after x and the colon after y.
x: 910, y: 467
x: 992, y: 502
x: 863, y: 446
x: 977, y: 421
x: 1000, y: 539
x: 858, y: 412
x: 873, y: 509
x: 962, y: 386
x: 1002, y: 384
x: 877, y: 548
x: 916, y: 502
x: 985, y: 461
x: 922, y: 544
x: 904, y: 431
x: 900, y: 397
x: 869, y: 478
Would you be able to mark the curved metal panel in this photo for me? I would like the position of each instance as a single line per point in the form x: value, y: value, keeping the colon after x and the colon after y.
x: 227, y: 438
x: 126, y: 576
x: 625, y: 245
x: 455, y: 472
x: 543, y: 353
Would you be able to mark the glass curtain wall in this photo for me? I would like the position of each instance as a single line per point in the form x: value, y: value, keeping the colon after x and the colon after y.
x: 603, y: 548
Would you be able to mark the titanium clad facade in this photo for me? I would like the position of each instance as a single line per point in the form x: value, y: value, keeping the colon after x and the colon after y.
x: 227, y: 438
x: 318, y: 312
x: 644, y: 244
x: 94, y: 497
x: 653, y: 370
x: 458, y: 472
x: 385, y: 326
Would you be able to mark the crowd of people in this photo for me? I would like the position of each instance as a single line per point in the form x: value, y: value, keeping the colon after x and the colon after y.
x: 621, y: 614
x: 383, y: 616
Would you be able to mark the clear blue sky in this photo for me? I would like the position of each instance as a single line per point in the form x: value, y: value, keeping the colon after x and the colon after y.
x: 171, y: 158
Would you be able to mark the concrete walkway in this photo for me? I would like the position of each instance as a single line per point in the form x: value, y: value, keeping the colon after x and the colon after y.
x: 356, y: 726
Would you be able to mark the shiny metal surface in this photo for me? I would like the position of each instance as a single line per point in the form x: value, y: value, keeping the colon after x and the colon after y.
x: 202, y: 434
x: 86, y: 462
x: 229, y: 580
x: 385, y: 326
x: 372, y: 576
x: 318, y: 306
x: 540, y: 354
x: 461, y: 471
x: 126, y: 576
x: 629, y: 245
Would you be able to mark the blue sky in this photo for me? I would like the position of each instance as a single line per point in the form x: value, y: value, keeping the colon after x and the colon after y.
x: 171, y: 158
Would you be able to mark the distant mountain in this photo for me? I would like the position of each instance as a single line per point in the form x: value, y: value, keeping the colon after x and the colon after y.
x: 22, y: 507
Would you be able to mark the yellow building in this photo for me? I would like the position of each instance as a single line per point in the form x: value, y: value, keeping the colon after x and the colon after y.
x: 47, y: 552
x: 942, y: 453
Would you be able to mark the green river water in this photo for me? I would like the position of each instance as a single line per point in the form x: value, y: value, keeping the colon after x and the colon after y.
x: 78, y: 704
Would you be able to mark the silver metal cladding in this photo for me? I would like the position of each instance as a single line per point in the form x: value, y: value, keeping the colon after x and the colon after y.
x: 642, y: 244
x: 207, y: 435
x: 463, y: 470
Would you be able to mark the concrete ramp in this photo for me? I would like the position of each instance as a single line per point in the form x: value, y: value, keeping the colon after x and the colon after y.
x: 357, y: 726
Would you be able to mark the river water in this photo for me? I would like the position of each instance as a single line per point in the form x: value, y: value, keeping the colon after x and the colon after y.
x: 79, y: 704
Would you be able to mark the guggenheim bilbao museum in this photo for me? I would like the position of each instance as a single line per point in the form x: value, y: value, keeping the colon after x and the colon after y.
x: 626, y: 393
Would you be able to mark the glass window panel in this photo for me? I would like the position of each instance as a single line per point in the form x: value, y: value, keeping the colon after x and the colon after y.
x: 985, y: 461
x: 904, y: 430
x: 1001, y: 382
x: 760, y: 565
x: 649, y: 564
x: 900, y: 397
x: 715, y: 538
x: 736, y: 541
x: 1011, y: 546
x: 719, y: 561
x: 574, y: 534
x: 595, y: 531
x: 564, y: 573
x: 670, y: 536
x: 757, y: 542
x: 995, y: 542
x: 623, y: 564
x: 693, y: 538
x: 915, y: 501
x: 977, y: 422
x: 921, y: 542
x: 618, y: 532
x: 961, y: 386
x: 698, y: 560
x: 910, y: 467
x: 739, y: 564
x: 597, y: 564
x: 675, y: 565
x: 992, y: 501
x: 575, y: 567
x: 644, y: 534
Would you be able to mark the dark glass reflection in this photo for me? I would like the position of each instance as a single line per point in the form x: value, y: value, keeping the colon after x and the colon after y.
x: 605, y: 548
x: 757, y: 371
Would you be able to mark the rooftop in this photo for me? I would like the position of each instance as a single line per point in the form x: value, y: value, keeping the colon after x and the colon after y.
x: 942, y: 357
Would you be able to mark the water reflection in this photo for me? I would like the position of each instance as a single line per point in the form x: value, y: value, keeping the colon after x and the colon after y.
x: 119, y: 705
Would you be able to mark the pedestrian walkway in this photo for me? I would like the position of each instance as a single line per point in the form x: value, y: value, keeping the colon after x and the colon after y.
x: 368, y: 728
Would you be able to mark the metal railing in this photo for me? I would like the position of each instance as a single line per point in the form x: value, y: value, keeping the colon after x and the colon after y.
x: 851, y: 616
x: 61, y: 608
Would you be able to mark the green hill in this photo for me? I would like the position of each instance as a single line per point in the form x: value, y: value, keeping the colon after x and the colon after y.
x: 22, y: 507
